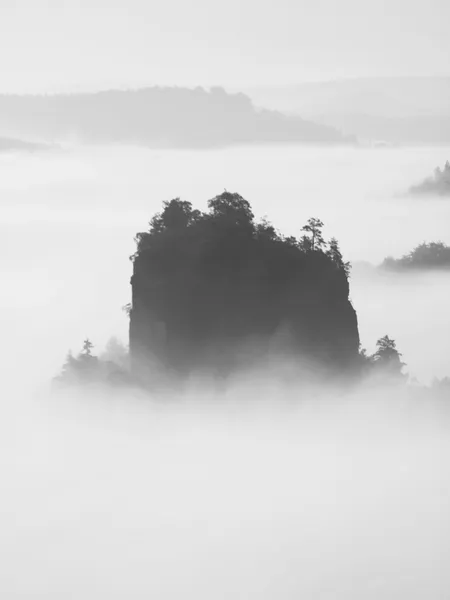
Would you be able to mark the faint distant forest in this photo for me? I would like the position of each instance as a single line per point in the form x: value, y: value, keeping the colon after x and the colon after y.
x: 438, y: 184
x: 393, y: 110
x: 158, y: 117
x: 425, y: 257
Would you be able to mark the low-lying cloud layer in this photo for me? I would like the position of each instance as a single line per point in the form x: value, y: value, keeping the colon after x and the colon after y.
x: 280, y: 495
x: 274, y: 493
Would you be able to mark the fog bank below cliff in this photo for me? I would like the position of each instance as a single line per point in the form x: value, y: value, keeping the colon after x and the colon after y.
x: 113, y: 497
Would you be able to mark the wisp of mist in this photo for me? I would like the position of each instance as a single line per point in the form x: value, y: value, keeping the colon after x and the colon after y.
x: 265, y: 491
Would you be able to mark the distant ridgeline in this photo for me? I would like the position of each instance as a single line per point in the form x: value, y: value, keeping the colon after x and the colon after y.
x: 425, y: 257
x: 157, y: 117
x: 13, y: 145
x: 438, y: 184
x: 216, y: 291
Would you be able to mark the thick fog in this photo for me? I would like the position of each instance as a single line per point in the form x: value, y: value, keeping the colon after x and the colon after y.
x: 286, y: 496
x: 115, y: 498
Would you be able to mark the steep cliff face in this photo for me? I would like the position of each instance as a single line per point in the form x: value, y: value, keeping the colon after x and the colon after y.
x: 215, y: 291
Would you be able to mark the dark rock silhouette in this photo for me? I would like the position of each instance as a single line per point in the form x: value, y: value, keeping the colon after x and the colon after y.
x: 425, y: 257
x: 217, y: 291
x: 157, y: 117
x: 438, y: 184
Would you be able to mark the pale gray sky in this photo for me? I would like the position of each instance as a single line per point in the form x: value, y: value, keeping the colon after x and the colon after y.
x: 50, y: 45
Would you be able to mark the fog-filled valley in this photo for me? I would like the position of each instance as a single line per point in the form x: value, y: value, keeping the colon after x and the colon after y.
x: 267, y: 491
x: 69, y: 219
x: 225, y: 273
x: 121, y: 498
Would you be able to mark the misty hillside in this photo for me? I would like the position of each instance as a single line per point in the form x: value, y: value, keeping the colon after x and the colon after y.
x: 156, y: 117
x: 398, y: 110
x: 438, y: 184
x: 412, y: 130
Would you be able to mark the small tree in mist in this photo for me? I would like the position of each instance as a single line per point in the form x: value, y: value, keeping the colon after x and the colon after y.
x: 87, y: 347
x: 387, y: 358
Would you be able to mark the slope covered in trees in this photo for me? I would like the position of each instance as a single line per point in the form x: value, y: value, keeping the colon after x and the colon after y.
x: 217, y: 291
x: 157, y: 117
x: 438, y: 184
x: 111, y: 367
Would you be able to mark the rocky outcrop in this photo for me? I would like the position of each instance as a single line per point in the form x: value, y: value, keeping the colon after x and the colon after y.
x: 218, y: 292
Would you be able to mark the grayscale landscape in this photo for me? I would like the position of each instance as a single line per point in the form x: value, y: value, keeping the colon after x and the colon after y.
x: 225, y: 266
x: 380, y: 111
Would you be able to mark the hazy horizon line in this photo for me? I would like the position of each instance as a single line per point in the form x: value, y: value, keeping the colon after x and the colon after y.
x: 88, y: 88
